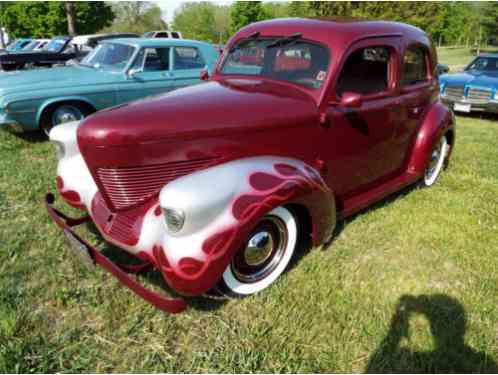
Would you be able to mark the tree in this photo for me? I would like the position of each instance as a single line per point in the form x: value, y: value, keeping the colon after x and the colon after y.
x: 137, y: 17
x: 245, y: 12
x: 71, y: 21
x: 197, y: 20
x: 45, y: 19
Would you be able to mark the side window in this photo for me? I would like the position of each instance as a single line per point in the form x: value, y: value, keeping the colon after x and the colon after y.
x: 70, y: 48
x: 161, y: 35
x: 187, y: 58
x: 152, y: 59
x: 366, y: 71
x: 175, y: 35
x: 414, y: 66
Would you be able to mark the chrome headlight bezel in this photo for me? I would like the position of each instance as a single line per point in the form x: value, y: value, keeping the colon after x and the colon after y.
x: 174, y: 219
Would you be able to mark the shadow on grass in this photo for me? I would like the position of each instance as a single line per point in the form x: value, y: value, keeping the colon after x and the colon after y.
x: 31, y: 136
x: 154, y: 277
x: 448, y: 323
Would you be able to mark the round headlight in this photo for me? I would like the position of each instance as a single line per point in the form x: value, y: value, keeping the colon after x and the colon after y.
x: 174, y: 219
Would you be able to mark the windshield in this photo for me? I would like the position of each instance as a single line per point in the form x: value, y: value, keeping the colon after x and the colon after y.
x: 291, y: 60
x: 488, y: 64
x: 31, y: 46
x: 112, y: 56
x: 12, y: 46
x: 148, y: 34
x: 55, y: 45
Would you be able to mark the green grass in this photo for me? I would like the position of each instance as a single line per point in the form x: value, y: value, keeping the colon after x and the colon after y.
x: 408, y: 285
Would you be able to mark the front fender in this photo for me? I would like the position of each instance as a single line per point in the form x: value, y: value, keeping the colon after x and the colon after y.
x: 222, y: 204
x: 51, y: 101
x: 438, y: 121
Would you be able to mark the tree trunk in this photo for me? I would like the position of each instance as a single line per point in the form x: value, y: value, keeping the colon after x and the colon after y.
x: 2, y: 38
x: 71, y: 19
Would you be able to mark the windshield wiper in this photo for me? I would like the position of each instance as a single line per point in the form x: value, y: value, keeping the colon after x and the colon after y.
x: 284, y: 41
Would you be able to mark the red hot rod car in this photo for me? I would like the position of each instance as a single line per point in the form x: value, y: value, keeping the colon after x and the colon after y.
x: 215, y: 184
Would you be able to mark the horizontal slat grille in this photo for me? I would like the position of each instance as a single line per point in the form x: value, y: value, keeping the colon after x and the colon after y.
x: 480, y: 94
x: 454, y: 92
x: 125, y: 187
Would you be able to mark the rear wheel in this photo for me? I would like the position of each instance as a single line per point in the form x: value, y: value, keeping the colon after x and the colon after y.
x: 264, y: 257
x: 61, y: 114
x: 436, y: 162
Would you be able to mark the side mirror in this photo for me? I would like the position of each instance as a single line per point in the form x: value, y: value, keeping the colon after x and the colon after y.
x: 351, y: 100
x: 133, y: 72
x: 204, y: 75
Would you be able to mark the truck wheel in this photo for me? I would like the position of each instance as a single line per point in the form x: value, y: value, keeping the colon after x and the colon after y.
x: 264, y: 257
x: 436, y: 162
x: 61, y: 114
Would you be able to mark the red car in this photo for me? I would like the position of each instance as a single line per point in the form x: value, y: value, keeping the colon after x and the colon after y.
x: 215, y: 184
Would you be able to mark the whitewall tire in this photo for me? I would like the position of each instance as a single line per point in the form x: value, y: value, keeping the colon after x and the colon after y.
x: 436, y: 162
x: 264, y: 257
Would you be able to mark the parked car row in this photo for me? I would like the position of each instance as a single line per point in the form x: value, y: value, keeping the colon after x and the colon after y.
x: 301, y: 123
x: 24, y: 52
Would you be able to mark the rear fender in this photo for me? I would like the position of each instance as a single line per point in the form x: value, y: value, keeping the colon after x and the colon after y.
x: 222, y: 205
x: 437, y: 122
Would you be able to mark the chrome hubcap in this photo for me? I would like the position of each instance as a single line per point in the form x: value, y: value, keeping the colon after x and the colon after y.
x: 262, y: 252
x: 435, y: 157
x: 66, y: 114
x: 258, y: 248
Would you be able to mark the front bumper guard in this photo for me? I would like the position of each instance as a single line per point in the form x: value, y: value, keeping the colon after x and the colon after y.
x: 172, y: 305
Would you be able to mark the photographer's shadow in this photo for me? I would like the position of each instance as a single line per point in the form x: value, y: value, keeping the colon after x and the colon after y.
x: 447, y: 321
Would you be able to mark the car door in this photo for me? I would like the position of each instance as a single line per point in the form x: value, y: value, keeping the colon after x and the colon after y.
x: 150, y: 74
x: 359, y: 141
x: 418, y: 86
x: 188, y: 63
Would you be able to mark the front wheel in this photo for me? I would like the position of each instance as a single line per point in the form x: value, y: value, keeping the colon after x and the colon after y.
x: 264, y: 257
x: 60, y: 115
x: 436, y: 162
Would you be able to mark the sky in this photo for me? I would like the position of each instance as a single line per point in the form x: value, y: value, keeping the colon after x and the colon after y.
x: 169, y: 6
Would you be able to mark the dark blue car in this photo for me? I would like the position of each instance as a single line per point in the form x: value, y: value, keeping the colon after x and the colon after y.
x: 474, y: 89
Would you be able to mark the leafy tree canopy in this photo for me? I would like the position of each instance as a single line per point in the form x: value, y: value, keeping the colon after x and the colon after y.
x: 136, y: 17
x: 46, y: 18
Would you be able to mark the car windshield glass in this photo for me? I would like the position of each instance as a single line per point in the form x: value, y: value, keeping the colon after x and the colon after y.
x: 31, y: 46
x: 488, y: 64
x: 55, y: 45
x: 12, y: 46
x: 148, y: 34
x: 111, y: 56
x: 287, y: 59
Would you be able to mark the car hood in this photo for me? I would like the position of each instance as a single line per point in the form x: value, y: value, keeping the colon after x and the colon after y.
x: 471, y: 77
x: 21, y: 81
x: 204, y: 110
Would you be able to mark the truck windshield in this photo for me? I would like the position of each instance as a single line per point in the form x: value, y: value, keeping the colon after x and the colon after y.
x: 111, y: 56
x: 290, y: 59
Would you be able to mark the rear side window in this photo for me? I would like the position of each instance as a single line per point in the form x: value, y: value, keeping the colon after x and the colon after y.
x: 175, y: 35
x: 414, y: 66
x: 187, y: 58
x: 366, y: 71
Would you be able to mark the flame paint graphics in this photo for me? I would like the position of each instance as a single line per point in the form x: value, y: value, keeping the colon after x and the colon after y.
x: 268, y: 190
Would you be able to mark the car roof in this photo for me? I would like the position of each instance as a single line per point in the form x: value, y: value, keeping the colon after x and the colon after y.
x: 338, y: 33
x: 83, y: 39
x: 153, y: 42
x: 488, y: 54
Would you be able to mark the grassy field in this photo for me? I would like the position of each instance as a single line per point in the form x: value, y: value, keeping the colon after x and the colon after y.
x: 408, y: 285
